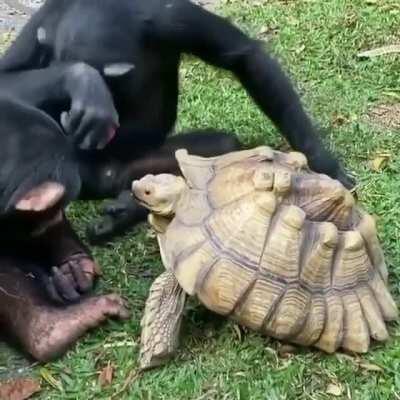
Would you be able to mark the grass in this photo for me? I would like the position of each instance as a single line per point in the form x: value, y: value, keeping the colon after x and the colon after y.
x: 317, y: 42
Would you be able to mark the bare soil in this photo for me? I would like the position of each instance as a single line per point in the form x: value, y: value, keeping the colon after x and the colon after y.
x: 386, y: 115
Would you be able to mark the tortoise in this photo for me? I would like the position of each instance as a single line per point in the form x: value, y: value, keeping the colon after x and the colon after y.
x: 258, y: 237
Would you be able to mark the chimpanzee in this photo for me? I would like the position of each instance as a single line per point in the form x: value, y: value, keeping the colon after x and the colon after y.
x: 137, y: 46
x: 43, y: 264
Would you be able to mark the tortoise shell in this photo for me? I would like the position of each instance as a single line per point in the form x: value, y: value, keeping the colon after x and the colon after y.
x: 282, y: 250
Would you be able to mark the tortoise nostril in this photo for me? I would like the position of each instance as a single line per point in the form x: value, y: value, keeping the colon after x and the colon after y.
x: 147, y: 192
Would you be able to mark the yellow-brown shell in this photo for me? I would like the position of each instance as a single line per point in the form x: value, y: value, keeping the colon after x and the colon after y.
x: 259, y: 237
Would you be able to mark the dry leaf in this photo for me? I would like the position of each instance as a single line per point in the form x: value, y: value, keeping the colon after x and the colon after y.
x: 335, y: 389
x: 380, y: 51
x: 380, y: 161
x: 339, y: 119
x: 19, y: 389
x: 370, y: 367
x: 106, y: 375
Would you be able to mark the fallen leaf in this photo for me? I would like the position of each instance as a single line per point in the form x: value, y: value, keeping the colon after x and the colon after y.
x: 49, y: 378
x: 335, y: 389
x: 19, y: 389
x: 380, y: 51
x: 106, y: 375
x: 380, y: 161
x: 339, y: 120
x: 370, y: 367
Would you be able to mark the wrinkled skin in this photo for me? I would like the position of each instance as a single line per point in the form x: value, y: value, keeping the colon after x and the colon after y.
x: 43, y: 330
x: 137, y: 46
x: 44, y: 281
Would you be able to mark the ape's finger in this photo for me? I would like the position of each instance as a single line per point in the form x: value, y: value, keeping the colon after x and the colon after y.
x: 83, y: 282
x: 74, y: 120
x: 52, y: 292
x: 63, y: 286
x: 64, y: 119
x: 114, y: 207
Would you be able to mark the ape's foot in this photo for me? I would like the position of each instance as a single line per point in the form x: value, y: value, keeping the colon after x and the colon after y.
x: 119, y: 215
x: 52, y: 330
x: 346, y: 179
x: 72, y: 278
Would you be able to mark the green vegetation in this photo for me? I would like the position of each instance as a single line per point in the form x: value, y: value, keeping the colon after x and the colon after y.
x: 317, y: 42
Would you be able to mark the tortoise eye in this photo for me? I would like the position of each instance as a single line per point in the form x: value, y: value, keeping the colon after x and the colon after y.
x: 147, y: 192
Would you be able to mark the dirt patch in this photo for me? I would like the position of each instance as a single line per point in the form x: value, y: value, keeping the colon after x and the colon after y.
x: 386, y: 115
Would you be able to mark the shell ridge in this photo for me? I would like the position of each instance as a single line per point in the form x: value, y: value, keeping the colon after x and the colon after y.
x: 201, y: 278
x: 271, y: 225
x: 288, y: 331
x: 229, y: 252
x: 186, y: 253
x: 272, y: 311
x: 324, y: 321
x: 305, y: 246
x: 230, y: 203
x: 187, y: 203
x: 337, y: 257
x: 244, y: 294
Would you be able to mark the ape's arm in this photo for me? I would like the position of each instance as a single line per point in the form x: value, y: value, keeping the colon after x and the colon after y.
x: 79, y: 88
x: 26, y: 52
x: 189, y: 28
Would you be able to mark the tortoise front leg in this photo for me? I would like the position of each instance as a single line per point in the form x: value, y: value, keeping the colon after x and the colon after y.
x: 161, y: 321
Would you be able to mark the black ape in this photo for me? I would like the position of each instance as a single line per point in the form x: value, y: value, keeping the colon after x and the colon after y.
x: 40, y: 255
x: 137, y: 46
x: 39, y: 171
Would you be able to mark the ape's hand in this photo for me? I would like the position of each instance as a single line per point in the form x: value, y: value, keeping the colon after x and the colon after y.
x: 72, y: 279
x: 92, y: 120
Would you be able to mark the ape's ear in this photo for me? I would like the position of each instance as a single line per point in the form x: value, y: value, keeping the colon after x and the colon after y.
x: 41, y: 197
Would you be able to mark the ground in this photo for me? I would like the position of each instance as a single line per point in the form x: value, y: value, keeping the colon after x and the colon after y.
x: 317, y: 42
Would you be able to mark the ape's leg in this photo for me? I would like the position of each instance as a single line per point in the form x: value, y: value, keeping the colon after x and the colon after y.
x: 43, y: 330
x: 124, y: 212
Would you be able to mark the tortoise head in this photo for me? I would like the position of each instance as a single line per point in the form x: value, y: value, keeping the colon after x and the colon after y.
x: 159, y: 193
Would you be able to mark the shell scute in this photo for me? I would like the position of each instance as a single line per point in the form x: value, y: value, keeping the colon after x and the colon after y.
x: 219, y: 292
x: 290, y: 315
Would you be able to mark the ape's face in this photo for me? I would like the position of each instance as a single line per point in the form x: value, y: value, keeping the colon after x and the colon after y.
x: 34, y: 212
